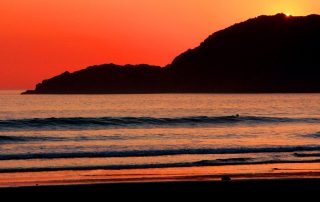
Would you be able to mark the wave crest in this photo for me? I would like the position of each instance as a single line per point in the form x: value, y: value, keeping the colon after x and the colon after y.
x: 123, y: 122
x: 145, y: 153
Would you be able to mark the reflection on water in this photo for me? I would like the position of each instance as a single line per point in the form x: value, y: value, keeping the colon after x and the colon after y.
x: 57, y: 132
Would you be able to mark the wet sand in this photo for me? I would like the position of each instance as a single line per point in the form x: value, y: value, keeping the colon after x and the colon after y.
x: 202, y: 173
x: 247, y: 181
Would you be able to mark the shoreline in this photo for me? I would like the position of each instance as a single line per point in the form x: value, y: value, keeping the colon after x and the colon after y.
x: 257, y: 189
x: 154, y: 166
x: 156, y: 175
x: 272, y: 181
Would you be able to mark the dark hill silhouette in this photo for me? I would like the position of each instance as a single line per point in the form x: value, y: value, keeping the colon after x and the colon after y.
x: 108, y: 78
x: 265, y: 54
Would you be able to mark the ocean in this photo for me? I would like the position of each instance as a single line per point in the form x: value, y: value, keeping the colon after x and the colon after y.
x: 86, y: 132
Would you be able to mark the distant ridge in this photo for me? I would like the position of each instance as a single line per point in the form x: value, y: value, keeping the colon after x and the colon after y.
x: 267, y: 54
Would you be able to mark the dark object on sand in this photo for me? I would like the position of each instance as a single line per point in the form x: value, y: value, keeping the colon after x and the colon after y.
x: 267, y: 54
x: 225, y: 178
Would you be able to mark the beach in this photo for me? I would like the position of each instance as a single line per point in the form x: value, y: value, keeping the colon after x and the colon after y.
x: 251, y: 189
x: 178, y: 174
x: 160, y: 100
x: 195, y: 144
x: 241, y: 181
x: 245, y: 189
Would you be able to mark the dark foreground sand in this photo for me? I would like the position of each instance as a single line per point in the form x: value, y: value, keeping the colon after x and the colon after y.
x: 258, y: 190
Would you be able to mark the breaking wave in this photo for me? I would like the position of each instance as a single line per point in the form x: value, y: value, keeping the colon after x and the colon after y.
x: 145, y: 153
x: 78, y: 123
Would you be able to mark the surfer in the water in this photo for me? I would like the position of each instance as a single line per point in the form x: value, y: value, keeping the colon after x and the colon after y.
x: 234, y: 116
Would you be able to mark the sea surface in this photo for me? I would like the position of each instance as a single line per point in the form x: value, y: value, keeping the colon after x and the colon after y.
x: 83, y: 132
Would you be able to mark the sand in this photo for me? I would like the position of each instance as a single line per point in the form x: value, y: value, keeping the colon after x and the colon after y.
x: 200, y: 190
x: 270, y: 181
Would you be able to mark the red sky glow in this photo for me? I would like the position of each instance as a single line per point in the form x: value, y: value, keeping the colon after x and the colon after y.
x: 42, y: 38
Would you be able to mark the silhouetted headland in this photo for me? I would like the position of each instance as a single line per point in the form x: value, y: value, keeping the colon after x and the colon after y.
x: 267, y: 54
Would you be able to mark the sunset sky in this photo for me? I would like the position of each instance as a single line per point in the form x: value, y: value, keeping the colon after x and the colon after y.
x: 42, y: 38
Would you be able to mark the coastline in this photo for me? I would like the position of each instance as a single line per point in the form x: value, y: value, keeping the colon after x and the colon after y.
x: 246, y: 189
x: 158, y: 175
x: 266, y: 150
x: 227, y: 182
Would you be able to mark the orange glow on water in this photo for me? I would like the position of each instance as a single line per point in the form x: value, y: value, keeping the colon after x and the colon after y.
x: 41, y: 38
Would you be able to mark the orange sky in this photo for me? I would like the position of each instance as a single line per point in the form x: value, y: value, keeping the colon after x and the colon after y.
x: 42, y: 38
